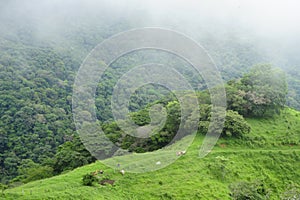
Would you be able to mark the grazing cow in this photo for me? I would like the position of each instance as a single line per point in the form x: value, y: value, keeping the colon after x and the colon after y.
x: 180, y: 153
x: 122, y: 172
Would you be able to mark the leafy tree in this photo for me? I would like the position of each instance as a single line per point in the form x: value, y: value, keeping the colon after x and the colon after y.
x: 70, y: 155
x: 173, y: 119
x: 235, y: 125
x: 236, y: 97
x: 265, y: 89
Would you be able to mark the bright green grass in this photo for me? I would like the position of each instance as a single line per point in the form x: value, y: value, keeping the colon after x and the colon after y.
x: 274, y: 160
x: 279, y: 131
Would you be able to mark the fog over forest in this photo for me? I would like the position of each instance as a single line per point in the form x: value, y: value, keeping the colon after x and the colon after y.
x: 275, y: 21
x: 269, y: 27
x: 83, y: 105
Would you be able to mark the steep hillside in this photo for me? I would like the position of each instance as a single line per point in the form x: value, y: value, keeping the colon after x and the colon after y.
x: 266, y: 164
x: 43, y: 46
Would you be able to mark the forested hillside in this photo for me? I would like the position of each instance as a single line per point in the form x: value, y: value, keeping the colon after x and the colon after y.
x: 41, y: 53
x: 264, y: 165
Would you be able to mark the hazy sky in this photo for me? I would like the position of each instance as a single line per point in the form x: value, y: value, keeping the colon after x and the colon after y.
x: 263, y: 16
x: 274, y: 21
x: 278, y: 17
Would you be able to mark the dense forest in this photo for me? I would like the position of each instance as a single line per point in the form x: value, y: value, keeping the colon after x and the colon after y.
x: 37, y: 73
x: 36, y: 115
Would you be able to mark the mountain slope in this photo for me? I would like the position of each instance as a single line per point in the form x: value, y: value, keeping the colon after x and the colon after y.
x: 273, y: 164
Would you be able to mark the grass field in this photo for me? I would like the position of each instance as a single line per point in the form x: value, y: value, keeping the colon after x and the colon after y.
x: 270, y: 155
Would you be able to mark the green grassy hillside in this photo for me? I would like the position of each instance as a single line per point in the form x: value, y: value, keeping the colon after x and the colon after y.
x: 269, y: 156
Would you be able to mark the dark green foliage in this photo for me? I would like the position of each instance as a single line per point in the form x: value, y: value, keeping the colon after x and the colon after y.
x: 161, y: 138
x: 141, y: 118
x: 70, y: 155
x: 30, y: 171
x: 3, y: 187
x: 88, y: 179
x: 34, y: 105
x: 113, y: 132
x: 235, y: 125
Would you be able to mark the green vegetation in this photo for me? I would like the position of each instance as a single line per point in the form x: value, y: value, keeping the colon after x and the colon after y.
x: 261, y: 92
x: 246, y: 190
x: 88, y: 180
x: 263, y: 167
x: 257, y: 156
x: 35, y: 106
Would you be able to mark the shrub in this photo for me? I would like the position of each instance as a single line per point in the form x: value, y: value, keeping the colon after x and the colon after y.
x: 88, y: 179
x: 235, y: 125
x: 248, y: 191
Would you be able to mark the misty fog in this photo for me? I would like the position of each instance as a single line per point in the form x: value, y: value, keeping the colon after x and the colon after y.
x: 270, y: 25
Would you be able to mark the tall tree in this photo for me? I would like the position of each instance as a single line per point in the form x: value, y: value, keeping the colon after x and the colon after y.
x: 266, y: 90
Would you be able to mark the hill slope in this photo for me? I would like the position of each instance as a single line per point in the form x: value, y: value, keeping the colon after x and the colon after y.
x: 269, y: 157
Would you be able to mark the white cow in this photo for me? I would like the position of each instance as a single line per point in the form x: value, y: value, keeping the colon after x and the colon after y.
x: 122, y: 172
x: 180, y: 153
